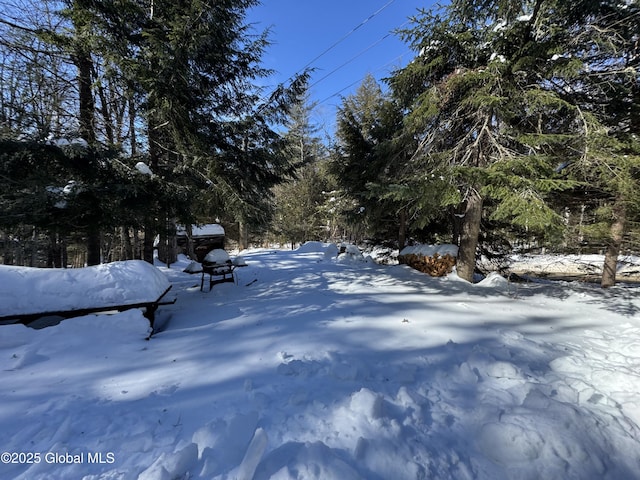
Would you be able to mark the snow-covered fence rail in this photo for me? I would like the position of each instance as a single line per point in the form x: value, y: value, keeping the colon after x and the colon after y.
x: 28, y: 294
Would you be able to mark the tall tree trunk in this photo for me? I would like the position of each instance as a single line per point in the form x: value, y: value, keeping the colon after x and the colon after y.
x: 64, y: 253
x: 243, y: 235
x: 168, y: 245
x: 456, y: 222
x: 613, y: 245
x: 84, y: 64
x: 93, y: 246
x: 191, y: 251
x: 132, y: 120
x: 34, y: 248
x: 402, y: 229
x: 469, y: 236
x: 8, y: 253
x: 137, y: 249
x: 53, y: 253
x: 87, y: 124
x: 163, y: 249
x: 147, y: 246
x: 151, y: 227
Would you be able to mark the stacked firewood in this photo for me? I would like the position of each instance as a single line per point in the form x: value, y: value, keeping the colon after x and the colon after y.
x: 435, y: 265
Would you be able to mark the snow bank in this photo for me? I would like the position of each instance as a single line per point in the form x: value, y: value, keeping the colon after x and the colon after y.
x: 350, y: 255
x: 34, y: 290
x: 493, y: 280
x: 309, y: 369
x: 572, y: 264
x: 312, y: 247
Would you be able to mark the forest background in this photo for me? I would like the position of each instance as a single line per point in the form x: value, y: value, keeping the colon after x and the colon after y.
x: 514, y: 127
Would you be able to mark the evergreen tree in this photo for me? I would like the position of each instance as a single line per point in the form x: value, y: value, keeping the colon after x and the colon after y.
x: 298, y: 214
x: 487, y: 126
x: 302, y: 142
x: 366, y: 156
x: 188, y: 69
x: 197, y: 64
x: 599, y: 40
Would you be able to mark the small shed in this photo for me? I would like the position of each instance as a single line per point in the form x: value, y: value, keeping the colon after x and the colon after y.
x: 204, y: 238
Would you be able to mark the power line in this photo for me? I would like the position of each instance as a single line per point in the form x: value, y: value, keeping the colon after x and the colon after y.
x: 349, y: 61
x: 362, y: 78
x: 346, y: 36
x: 355, y: 56
x: 335, y: 44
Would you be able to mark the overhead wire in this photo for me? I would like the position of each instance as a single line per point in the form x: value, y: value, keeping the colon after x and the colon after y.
x: 356, y: 56
x: 353, y: 30
x: 335, y: 44
x: 362, y: 78
x: 350, y: 60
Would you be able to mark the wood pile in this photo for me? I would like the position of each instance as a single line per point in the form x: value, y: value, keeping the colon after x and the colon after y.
x: 436, y: 265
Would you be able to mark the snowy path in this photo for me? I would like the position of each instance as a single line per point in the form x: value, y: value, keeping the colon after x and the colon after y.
x: 313, y: 369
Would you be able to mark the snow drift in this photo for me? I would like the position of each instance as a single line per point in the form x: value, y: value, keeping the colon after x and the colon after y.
x: 311, y: 368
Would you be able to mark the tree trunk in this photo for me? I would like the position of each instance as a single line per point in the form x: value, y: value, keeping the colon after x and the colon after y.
x: 132, y: 120
x: 469, y: 236
x: 87, y: 106
x: 64, y: 253
x: 147, y: 247
x: 137, y: 249
x: 163, y: 247
x: 243, y: 235
x: 613, y: 246
x: 34, y: 248
x: 8, y: 252
x: 191, y: 251
x: 82, y: 60
x: 93, y: 247
x: 168, y: 245
x: 456, y: 222
x: 402, y: 230
x: 53, y: 254
x: 126, y: 247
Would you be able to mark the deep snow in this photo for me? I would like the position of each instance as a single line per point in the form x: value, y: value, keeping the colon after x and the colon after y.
x: 312, y: 367
x: 37, y: 290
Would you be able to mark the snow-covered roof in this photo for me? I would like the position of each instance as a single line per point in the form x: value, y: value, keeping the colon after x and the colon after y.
x: 209, y: 230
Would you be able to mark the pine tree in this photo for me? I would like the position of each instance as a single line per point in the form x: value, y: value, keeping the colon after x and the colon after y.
x: 298, y: 214
x: 487, y: 125
x: 366, y: 157
x: 188, y: 69
x: 600, y: 41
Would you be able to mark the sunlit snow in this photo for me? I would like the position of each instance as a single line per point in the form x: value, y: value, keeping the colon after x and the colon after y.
x: 312, y: 368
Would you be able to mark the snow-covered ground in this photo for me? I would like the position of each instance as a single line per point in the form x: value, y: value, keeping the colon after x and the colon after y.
x: 574, y: 265
x: 316, y: 368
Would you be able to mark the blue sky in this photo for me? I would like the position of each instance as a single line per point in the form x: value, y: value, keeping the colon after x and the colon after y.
x: 301, y: 30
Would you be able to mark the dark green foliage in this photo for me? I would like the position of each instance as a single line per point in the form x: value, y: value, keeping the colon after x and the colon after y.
x: 482, y: 101
x: 368, y: 158
x: 187, y: 70
x: 300, y: 212
x: 68, y: 188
